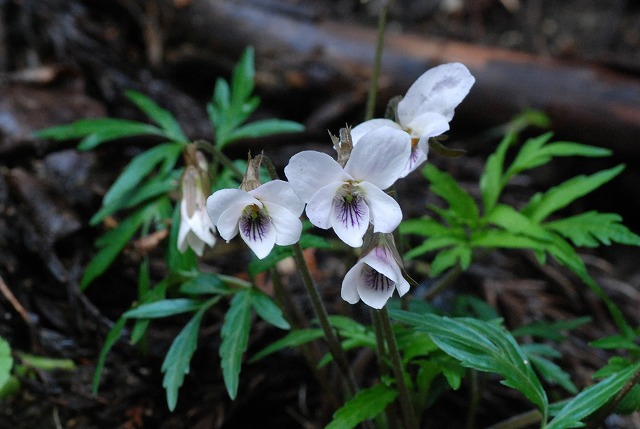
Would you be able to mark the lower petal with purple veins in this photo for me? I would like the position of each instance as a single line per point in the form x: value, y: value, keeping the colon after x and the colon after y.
x: 257, y: 230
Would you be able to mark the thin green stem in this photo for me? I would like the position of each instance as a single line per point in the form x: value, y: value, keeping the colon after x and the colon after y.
x: 474, y: 399
x: 381, y: 352
x: 323, y: 318
x: 519, y: 421
x: 220, y: 156
x: 408, y: 412
x: 375, y: 73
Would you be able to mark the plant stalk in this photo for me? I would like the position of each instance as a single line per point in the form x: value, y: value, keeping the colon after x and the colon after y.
x: 323, y: 318
x: 375, y: 74
x: 406, y: 406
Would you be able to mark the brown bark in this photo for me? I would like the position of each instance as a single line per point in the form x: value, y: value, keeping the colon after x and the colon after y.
x: 305, y: 51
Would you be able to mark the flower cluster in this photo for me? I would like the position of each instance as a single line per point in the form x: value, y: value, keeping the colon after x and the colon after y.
x: 348, y: 196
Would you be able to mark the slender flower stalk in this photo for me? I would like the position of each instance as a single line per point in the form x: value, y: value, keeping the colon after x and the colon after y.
x: 406, y: 405
x: 323, y: 318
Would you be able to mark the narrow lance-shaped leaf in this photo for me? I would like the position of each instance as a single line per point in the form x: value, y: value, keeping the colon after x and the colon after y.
x: 6, y: 362
x: 592, y: 228
x: 367, y: 404
x: 268, y: 310
x: 235, y: 337
x: 157, y: 114
x: 443, y: 185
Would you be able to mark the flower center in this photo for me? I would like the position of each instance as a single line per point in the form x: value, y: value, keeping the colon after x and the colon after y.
x: 254, y: 223
x: 348, y: 205
x: 375, y: 280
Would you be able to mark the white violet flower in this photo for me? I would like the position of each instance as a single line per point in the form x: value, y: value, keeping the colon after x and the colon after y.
x: 426, y: 109
x: 374, y: 278
x: 264, y: 216
x: 196, y: 228
x: 350, y: 198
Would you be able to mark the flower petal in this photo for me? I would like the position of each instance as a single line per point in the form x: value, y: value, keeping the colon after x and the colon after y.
x: 428, y: 124
x: 386, y: 214
x: 320, y: 206
x: 221, y: 200
x: 287, y: 224
x: 351, y: 282
x: 381, y: 259
x: 195, y: 243
x: 259, y: 234
x: 417, y: 157
x: 361, y: 129
x: 350, y: 219
x: 281, y: 193
x: 380, y: 156
x: 375, y: 289
x: 310, y: 170
x: 184, y: 230
x: 439, y: 90
x: 229, y: 219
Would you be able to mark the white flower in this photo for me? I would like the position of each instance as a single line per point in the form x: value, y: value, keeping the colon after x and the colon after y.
x: 350, y: 198
x: 265, y: 216
x: 374, y: 278
x: 426, y: 110
x: 196, y: 228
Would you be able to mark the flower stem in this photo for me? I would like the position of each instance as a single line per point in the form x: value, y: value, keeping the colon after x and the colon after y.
x: 408, y: 413
x: 224, y: 159
x: 323, y: 318
x: 381, y: 351
x: 375, y: 73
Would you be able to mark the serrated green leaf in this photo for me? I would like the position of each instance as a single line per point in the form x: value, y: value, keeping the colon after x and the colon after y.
x: 140, y: 166
x: 268, y: 310
x: 164, y: 308
x: 491, y: 180
x: 235, y: 337
x: 515, y: 222
x: 615, y: 342
x: 160, y: 116
x: 6, y: 362
x: 265, y: 127
x: 544, y: 204
x: 176, y: 363
x: 614, y: 365
x: 591, y: 399
x: 242, y: 81
x: 592, y: 228
x: 366, y: 404
x: 98, y: 130
x: 482, y: 346
x: 292, y: 339
x: 445, y: 186
x: 500, y: 239
x: 434, y: 244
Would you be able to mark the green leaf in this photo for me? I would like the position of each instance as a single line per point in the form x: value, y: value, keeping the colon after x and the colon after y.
x: 544, y: 204
x: 550, y: 330
x: 99, y: 130
x: 176, y: 363
x: 164, y: 308
x: 591, y: 399
x: 505, y: 240
x: 292, y: 339
x: 552, y: 373
x: 615, y: 342
x: 235, y: 336
x: 449, y: 257
x: 150, y: 189
x: 592, y: 228
x: 242, y: 81
x: 491, y: 180
x: 112, y: 242
x: 515, y: 222
x: 204, y: 284
x: 426, y: 227
x: 456, y: 238
x: 112, y: 337
x: 482, y: 346
x: 268, y: 310
x: 160, y: 116
x: 445, y: 186
x: 265, y: 127
x: 45, y: 363
x: 366, y: 404
x: 140, y: 166
x: 6, y: 362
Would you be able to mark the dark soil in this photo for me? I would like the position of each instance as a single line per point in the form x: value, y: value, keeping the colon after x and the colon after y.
x: 65, y: 60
